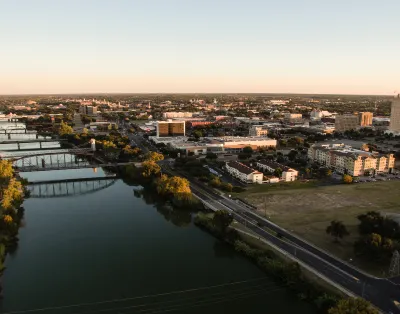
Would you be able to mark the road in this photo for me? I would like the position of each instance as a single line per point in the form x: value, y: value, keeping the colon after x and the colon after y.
x: 380, y: 292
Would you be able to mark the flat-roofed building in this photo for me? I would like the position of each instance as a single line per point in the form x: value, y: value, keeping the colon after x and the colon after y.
x: 395, y: 116
x: 243, y: 172
x: 346, y: 122
x: 365, y: 118
x: 235, y: 144
x: 170, y: 128
x: 345, y: 159
x: 258, y: 130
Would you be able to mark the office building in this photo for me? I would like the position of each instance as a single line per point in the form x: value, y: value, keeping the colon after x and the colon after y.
x: 346, y: 122
x: 365, y: 118
x: 345, y: 159
x: 170, y: 128
x: 88, y: 110
x: 395, y: 116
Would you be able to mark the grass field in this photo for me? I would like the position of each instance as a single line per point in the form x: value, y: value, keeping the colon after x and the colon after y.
x: 308, y: 209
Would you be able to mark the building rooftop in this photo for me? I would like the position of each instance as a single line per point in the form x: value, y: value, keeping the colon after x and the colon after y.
x: 241, y: 167
x: 275, y: 165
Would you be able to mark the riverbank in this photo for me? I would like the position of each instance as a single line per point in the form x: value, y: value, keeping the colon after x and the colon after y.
x: 11, y: 212
x: 283, y: 271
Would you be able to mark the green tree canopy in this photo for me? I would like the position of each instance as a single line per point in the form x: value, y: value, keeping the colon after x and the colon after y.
x: 154, y: 156
x: 353, y: 306
x: 150, y: 168
x: 65, y: 129
x: 337, y: 230
x: 222, y: 219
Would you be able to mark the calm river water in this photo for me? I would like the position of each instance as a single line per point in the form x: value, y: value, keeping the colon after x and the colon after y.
x: 112, y: 244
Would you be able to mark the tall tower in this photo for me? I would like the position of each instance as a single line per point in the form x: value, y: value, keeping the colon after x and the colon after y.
x: 395, y: 115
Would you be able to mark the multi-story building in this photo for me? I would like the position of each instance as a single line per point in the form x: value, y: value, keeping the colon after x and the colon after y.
x: 346, y: 122
x: 170, y: 128
x: 395, y: 116
x: 244, y: 173
x: 171, y: 115
x: 288, y: 174
x: 293, y: 116
x: 365, y: 118
x: 345, y: 159
x: 234, y: 144
x: 88, y: 110
x: 258, y: 130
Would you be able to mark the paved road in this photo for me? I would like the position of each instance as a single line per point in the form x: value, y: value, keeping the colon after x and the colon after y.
x: 380, y: 292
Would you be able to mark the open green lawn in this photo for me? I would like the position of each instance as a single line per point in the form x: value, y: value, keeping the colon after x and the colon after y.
x: 307, y: 210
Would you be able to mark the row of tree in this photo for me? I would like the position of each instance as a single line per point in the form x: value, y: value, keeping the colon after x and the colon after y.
x: 11, y: 212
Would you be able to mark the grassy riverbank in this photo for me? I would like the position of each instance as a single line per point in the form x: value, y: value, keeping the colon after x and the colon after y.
x: 285, y: 272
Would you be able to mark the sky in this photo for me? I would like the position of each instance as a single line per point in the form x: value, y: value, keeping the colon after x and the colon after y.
x: 221, y: 46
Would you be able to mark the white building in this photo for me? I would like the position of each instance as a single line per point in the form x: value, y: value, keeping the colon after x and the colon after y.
x: 293, y: 116
x: 244, y: 173
x: 345, y: 159
x: 171, y: 115
x: 235, y: 144
x: 288, y: 174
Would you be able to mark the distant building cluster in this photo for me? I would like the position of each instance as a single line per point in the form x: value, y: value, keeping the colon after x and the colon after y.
x: 345, y: 159
x: 172, y: 115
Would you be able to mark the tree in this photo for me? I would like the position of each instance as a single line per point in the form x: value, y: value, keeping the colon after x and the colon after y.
x: 353, y: 306
x: 6, y: 171
x: 222, y: 219
x: 337, y: 230
x: 292, y: 155
x: 150, y: 168
x: 374, y: 222
x: 328, y: 172
x: 278, y: 172
x: 247, y: 150
x: 374, y: 247
x: 65, y: 129
x: 347, y: 178
x: 154, y: 156
x: 227, y: 187
x: 12, y: 193
x: 211, y: 156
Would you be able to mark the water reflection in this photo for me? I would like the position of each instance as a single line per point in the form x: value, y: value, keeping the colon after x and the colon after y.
x: 178, y: 217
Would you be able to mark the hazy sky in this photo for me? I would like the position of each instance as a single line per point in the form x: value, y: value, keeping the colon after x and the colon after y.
x: 299, y: 46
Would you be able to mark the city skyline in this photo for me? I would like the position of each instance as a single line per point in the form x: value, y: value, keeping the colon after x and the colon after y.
x: 199, y: 47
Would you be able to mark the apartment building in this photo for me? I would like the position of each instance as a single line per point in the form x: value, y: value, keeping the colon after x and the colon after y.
x: 170, y: 128
x: 244, y: 173
x: 235, y: 144
x: 288, y: 174
x: 258, y: 130
x: 346, y: 122
x: 345, y: 159
x: 365, y: 118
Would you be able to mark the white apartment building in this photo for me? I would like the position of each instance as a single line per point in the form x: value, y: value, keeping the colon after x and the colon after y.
x: 172, y: 115
x: 288, y: 174
x: 236, y: 144
x: 345, y: 159
x: 244, y: 173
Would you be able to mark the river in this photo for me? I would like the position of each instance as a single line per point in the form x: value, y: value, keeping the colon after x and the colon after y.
x: 114, y: 244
